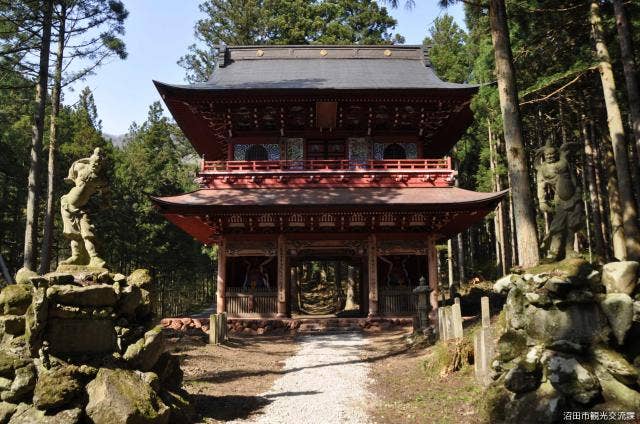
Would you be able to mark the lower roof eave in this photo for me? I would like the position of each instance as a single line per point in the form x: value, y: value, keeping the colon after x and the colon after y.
x: 197, y: 214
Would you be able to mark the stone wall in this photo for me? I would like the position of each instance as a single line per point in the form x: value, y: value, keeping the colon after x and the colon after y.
x: 81, y: 347
x: 569, y: 343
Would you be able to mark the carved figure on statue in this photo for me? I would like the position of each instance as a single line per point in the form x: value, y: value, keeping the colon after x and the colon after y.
x: 87, y: 176
x: 255, y: 276
x: 559, y: 194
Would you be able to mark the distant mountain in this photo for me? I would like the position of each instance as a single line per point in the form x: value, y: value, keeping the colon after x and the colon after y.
x: 117, y: 140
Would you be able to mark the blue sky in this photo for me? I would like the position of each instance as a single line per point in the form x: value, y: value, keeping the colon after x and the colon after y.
x: 158, y: 32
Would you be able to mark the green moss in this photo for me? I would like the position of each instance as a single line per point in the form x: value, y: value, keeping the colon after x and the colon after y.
x: 491, y: 404
x: 571, y: 267
x: 15, y: 299
x: 141, y: 278
x: 510, y: 345
x: 132, y: 387
x: 9, y: 363
x: 57, y: 387
x: 452, y: 355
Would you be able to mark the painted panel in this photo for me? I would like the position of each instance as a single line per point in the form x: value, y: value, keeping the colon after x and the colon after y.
x: 240, y: 150
x: 358, y: 149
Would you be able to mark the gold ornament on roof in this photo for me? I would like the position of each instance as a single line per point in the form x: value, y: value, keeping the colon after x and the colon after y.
x: 387, y: 52
x: 260, y: 53
x: 323, y: 52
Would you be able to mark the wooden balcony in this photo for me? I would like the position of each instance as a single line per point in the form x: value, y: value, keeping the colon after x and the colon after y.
x: 270, y: 166
x: 323, y: 173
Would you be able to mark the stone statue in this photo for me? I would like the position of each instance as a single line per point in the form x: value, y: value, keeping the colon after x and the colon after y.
x: 559, y: 193
x: 397, y: 274
x: 256, y: 276
x: 86, y: 175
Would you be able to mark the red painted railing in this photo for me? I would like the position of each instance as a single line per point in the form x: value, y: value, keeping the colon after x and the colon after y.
x: 328, y: 165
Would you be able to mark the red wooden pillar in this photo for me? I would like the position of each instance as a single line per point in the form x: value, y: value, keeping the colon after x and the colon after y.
x: 221, y: 305
x: 432, y: 271
x: 283, y: 278
x: 372, y: 250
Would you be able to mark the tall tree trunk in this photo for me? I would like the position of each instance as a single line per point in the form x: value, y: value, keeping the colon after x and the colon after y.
x: 31, y: 228
x: 634, y: 160
x: 528, y: 249
x: 615, y: 205
x: 629, y: 65
x: 45, y: 249
x: 501, y: 266
x: 616, y: 130
x: 598, y: 239
x: 503, y: 211
x: 461, y: 272
x: 601, y: 189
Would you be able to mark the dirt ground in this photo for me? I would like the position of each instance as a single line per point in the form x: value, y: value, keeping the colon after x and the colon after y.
x: 407, y: 393
x: 224, y: 381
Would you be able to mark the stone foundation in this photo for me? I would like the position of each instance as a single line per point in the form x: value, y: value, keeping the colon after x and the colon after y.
x: 569, y: 343
x: 257, y: 326
x: 81, y: 347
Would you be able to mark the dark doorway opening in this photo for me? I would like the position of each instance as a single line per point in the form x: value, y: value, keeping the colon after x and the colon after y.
x: 327, y: 286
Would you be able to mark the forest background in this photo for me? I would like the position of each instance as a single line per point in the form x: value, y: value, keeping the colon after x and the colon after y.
x: 561, y: 99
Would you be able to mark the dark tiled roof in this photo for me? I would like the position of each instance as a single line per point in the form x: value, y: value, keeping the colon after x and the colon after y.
x: 324, y: 67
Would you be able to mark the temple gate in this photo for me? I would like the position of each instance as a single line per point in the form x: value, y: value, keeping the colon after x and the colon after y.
x: 323, y: 180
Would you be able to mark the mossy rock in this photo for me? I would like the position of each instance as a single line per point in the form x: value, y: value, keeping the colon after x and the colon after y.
x: 146, y: 351
x: 24, y: 275
x: 22, y: 386
x: 6, y: 411
x: 510, y: 345
x: 59, y: 278
x: 538, y: 407
x: 57, y: 387
x: 572, y: 268
x: 491, y: 407
x: 616, y: 392
x: 15, y: 299
x: 12, y: 325
x: 99, y: 295
x: 122, y: 396
x: 615, y: 364
x: 9, y: 363
x: 140, y: 278
x: 29, y: 414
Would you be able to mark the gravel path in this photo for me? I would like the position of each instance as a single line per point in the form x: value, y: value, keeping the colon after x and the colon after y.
x: 325, y: 382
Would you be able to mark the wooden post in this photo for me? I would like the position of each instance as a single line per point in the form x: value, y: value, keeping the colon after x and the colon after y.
x: 222, y: 278
x: 486, y: 313
x: 432, y: 268
x: 456, y: 316
x: 372, y: 250
x: 293, y: 290
x: 283, y: 278
x: 218, y: 328
x: 213, y: 329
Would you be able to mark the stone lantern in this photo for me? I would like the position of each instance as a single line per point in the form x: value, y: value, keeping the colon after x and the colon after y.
x: 422, y: 291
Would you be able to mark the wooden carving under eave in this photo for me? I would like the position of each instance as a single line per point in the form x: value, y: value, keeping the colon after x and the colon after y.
x: 326, y: 114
